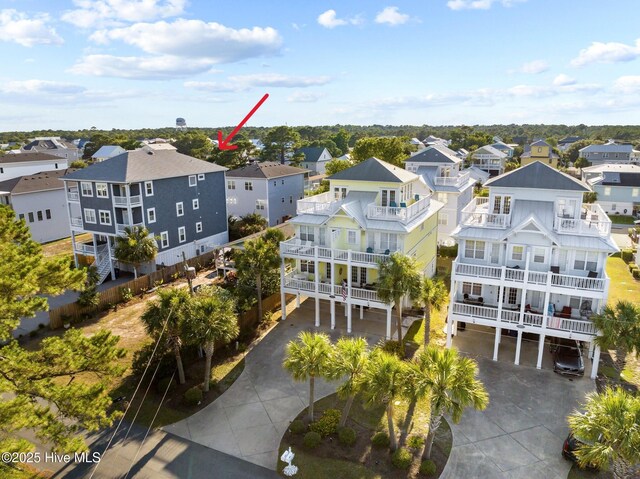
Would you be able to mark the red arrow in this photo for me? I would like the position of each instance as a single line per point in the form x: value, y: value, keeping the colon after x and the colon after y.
x: 223, y: 144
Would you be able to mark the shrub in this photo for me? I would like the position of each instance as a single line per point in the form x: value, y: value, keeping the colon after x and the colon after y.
x: 448, y: 251
x: 636, y: 274
x: 33, y: 334
x: 626, y: 255
x: 391, y: 347
x: 127, y: 294
x: 380, y: 439
x: 163, y: 384
x: 142, y: 356
x: 402, y: 458
x: 415, y: 442
x: 193, y: 396
x: 327, y: 424
x: 428, y: 467
x: 311, y: 440
x: 297, y: 427
x: 41, y: 326
x: 632, y: 266
x: 346, y: 436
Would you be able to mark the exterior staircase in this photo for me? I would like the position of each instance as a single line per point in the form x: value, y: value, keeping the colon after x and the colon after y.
x: 102, y: 263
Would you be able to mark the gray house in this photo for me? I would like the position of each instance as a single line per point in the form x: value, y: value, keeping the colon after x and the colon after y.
x: 270, y: 189
x: 617, y: 187
x: 13, y: 165
x: 54, y: 145
x: 610, y: 152
x: 178, y: 198
x: 40, y: 200
x: 315, y: 159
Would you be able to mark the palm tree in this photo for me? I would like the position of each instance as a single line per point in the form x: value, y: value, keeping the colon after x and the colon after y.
x: 609, y: 429
x: 307, y: 358
x: 398, y: 276
x: 619, y: 330
x: 433, y: 294
x: 384, y: 383
x: 172, y: 308
x: 350, y: 358
x: 258, y: 259
x: 213, y: 319
x: 449, y: 382
x: 137, y: 246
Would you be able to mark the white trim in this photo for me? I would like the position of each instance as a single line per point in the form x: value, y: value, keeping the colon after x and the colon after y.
x: 193, y: 181
x: 82, y: 185
x: 93, y: 215
x: 182, y: 232
x: 199, y: 227
x: 148, y: 184
x: 164, y: 238
x: 106, y: 189
x: 179, y: 208
x: 108, y: 215
x: 200, y: 176
x: 151, y: 210
x: 195, y: 203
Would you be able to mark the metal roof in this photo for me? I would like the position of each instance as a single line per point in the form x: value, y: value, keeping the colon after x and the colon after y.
x: 374, y: 169
x: 435, y: 154
x: 538, y: 175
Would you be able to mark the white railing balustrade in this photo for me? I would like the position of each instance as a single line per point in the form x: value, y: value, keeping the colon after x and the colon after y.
x: 324, y: 203
x: 476, y: 213
x: 76, y: 221
x: 593, y: 221
x: 454, y: 181
x: 399, y: 213
x: 577, y: 282
x: 120, y: 227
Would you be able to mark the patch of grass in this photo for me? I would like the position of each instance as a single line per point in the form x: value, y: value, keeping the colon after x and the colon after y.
x: 62, y: 247
x: 23, y: 471
x: 622, y: 219
x: 609, y: 372
x: 577, y: 473
x: 313, y: 467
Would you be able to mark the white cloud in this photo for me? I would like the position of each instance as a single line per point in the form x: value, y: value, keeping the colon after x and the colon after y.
x: 27, y: 31
x: 304, y: 97
x: 628, y: 84
x: 534, y: 67
x: 391, y: 16
x: 91, y: 13
x: 479, y: 4
x: 329, y: 19
x: 36, y: 87
x: 196, y: 39
x: 612, y: 52
x: 268, y: 80
x: 563, y: 80
x: 140, y: 68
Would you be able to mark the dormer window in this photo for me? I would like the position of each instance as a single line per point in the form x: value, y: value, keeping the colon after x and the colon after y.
x: 340, y: 192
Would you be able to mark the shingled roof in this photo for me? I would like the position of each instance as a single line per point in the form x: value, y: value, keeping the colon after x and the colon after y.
x: 267, y: 169
x: 43, y: 181
x: 26, y: 157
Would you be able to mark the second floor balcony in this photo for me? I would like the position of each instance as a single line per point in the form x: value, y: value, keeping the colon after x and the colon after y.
x: 593, y: 221
x: 125, y: 201
x: 295, y: 248
x: 120, y: 227
x: 455, y: 181
x: 72, y: 194
x: 476, y: 213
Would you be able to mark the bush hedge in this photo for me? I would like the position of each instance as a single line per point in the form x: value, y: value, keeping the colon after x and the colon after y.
x: 636, y: 273
x: 193, y: 396
x: 448, y: 251
x: 311, y: 440
x: 327, y: 424
x: 632, y: 266
x: 297, y: 427
x: 428, y: 467
x: 346, y: 436
x: 402, y: 458
x: 380, y: 439
x: 415, y: 442
x: 627, y: 255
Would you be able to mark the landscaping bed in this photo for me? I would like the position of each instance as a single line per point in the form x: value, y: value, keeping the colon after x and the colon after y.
x: 362, y: 459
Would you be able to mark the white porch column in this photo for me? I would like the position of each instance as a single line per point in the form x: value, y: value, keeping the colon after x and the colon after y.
x: 347, y: 304
x: 591, y: 346
x: 333, y: 313
x: 496, y: 343
x: 298, y: 299
x: 113, y: 272
x: 283, y: 303
x: 452, y: 295
x: 348, y: 318
x: 518, y: 346
x: 317, y: 312
x: 361, y: 312
x: 388, y: 322
x: 540, y: 351
x: 73, y: 245
x: 316, y: 284
x: 596, y: 362
x: 523, y: 294
x: 499, y: 318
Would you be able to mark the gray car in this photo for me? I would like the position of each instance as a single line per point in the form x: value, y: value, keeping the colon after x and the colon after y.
x: 567, y: 357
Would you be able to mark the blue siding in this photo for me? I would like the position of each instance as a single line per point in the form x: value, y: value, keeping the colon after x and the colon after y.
x: 291, y: 188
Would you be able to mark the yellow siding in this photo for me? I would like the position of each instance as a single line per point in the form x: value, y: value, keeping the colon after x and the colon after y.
x: 364, y: 185
x: 423, y: 241
x: 344, y: 223
x: 548, y: 161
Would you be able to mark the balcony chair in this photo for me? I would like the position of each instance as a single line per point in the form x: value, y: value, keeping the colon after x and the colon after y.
x: 392, y: 204
x: 403, y: 205
x: 387, y: 252
x: 555, y: 269
x: 369, y: 249
x: 592, y: 274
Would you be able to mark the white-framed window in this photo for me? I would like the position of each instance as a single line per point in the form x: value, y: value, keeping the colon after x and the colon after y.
x: 105, y: 217
x: 472, y: 289
x: 512, y: 295
x: 40, y: 217
x: 443, y: 218
x: 539, y: 255
x: 340, y: 192
x: 248, y: 185
x: 388, y: 241
x: 501, y: 204
x: 199, y: 227
x: 586, y: 261
x: 200, y: 176
x: 352, y: 237
x: 195, y: 203
x: 260, y: 205
x: 192, y: 180
x: 164, y: 239
x: 517, y: 253
x: 388, y: 198
x: 148, y: 188
x: 151, y: 215
x: 442, y: 197
x: 102, y: 190
x: 89, y: 216
x: 179, y: 209
x: 231, y: 185
x: 307, y: 266
x: 474, y: 249
x: 282, y: 182
x: 607, y: 191
x: 86, y: 189
x: 182, y: 234
x: 614, y: 207
x: 232, y: 200
x: 306, y: 233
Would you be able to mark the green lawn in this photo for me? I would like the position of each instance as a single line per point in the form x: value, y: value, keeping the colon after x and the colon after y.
x: 313, y: 467
x: 622, y: 219
x: 22, y: 472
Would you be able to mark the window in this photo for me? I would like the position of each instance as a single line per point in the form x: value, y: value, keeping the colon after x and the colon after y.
x: 248, y: 185
x: 283, y: 199
x: 201, y: 177
x: 586, y: 261
x: 85, y: 189
x: 539, y: 149
x: 517, y: 253
x: 1, y: 170
x: 275, y: 183
x: 47, y: 214
x: 182, y: 234
x: 443, y: 218
x: 192, y: 180
x: 231, y: 185
x: 179, y: 209
x: 501, y: 204
x: 31, y: 220
x: 260, y: 205
x: 199, y: 227
x: 352, y: 237
x: 102, y: 190
x: 388, y: 241
x: 607, y: 191
x: 614, y: 207
x: 195, y: 203
x: 282, y: 182
x: 307, y: 267
x: 290, y: 200
x: 148, y: 188
x: 89, y: 215
x: 539, y: 255
x: 105, y: 217
x: 575, y: 302
x: 21, y: 216
x: 232, y: 200
x: 340, y: 193
x: 472, y: 289
x: 40, y: 217
x: 164, y: 239
x: 151, y: 215
x: 442, y: 197
x: 328, y: 268
x: 474, y: 249
x: 388, y: 198
x: 512, y: 295
x: 306, y: 233
x: 635, y: 192
x: 56, y: 165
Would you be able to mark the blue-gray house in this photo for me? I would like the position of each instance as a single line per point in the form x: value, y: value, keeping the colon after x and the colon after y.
x: 178, y: 198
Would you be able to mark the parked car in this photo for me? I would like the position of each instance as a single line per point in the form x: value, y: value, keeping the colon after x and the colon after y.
x: 569, y: 447
x: 567, y: 357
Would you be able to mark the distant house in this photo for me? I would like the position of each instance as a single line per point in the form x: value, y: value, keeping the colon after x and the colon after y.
x: 610, y: 152
x: 315, y: 158
x: 270, y: 189
x: 489, y: 159
x: 21, y: 164
x: 617, y: 187
x: 565, y: 143
x: 434, y: 140
x: 55, y: 146
x: 40, y: 200
x: 107, y: 151
x: 440, y: 169
x: 417, y: 143
x: 539, y: 151
x: 257, y: 143
x: 503, y: 147
x: 462, y: 154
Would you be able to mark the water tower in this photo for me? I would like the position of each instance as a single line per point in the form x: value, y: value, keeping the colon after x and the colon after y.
x: 181, y: 124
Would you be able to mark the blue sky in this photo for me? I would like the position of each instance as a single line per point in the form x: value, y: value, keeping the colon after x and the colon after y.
x: 142, y: 63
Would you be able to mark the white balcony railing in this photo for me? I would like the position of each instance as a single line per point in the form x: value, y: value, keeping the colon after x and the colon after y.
x: 85, y: 249
x: 300, y: 282
x: 593, y: 221
x: 455, y: 181
x: 133, y: 200
x: 476, y: 213
x: 120, y: 227
x: 322, y: 204
x: 399, y: 213
x: 72, y: 194
x: 294, y: 248
x: 76, y: 221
